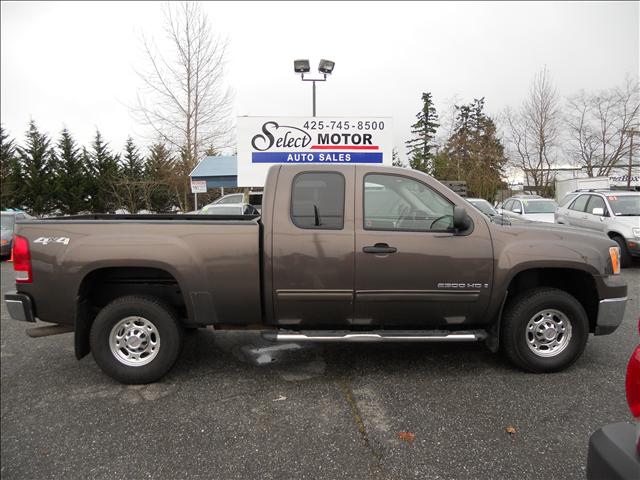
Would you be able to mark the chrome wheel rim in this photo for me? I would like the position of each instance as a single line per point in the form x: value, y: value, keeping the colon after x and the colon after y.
x: 134, y: 341
x: 548, y: 333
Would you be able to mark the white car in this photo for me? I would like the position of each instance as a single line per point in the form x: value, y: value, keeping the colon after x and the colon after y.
x: 615, y: 213
x: 229, y: 209
x: 530, y: 207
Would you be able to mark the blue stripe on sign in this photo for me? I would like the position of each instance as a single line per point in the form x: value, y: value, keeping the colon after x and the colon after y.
x: 316, y: 157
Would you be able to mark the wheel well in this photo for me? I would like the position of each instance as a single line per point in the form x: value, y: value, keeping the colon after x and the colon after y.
x: 577, y: 283
x: 103, y: 285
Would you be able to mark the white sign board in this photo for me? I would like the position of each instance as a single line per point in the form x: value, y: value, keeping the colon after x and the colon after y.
x: 198, y: 186
x: 267, y: 141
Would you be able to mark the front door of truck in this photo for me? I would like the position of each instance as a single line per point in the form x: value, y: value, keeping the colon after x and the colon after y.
x: 410, y: 270
x: 312, y: 254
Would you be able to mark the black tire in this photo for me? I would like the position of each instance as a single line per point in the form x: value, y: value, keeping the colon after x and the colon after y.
x: 522, y: 309
x: 161, y: 317
x: 625, y: 256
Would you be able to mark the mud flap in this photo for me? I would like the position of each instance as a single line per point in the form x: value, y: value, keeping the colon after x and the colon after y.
x: 82, y: 328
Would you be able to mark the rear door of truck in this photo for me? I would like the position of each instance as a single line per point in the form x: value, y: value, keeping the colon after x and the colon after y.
x: 312, y: 254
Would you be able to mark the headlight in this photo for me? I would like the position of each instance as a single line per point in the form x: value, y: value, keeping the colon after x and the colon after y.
x: 614, y: 254
x: 636, y: 232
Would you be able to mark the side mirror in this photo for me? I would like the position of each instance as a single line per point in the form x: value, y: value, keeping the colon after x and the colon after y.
x: 598, y: 211
x: 517, y: 210
x: 460, y: 218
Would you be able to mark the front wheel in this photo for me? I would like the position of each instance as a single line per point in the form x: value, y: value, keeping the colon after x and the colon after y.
x: 136, y: 339
x: 544, y: 330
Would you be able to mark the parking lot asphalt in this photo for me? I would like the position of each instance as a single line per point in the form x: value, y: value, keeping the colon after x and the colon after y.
x: 236, y: 406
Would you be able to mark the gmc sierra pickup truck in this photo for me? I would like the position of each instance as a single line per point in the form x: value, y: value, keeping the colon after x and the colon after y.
x: 341, y: 253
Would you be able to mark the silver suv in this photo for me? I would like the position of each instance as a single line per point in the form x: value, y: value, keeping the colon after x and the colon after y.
x: 613, y: 212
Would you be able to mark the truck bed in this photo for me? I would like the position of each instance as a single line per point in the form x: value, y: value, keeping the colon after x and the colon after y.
x: 215, y: 260
x: 149, y: 217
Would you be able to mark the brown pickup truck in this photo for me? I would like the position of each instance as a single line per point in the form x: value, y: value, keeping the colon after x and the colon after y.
x: 341, y: 253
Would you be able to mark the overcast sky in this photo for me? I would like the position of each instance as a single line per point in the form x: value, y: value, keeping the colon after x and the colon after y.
x: 72, y: 64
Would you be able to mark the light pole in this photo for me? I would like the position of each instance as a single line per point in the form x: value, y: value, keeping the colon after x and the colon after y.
x: 325, y: 67
x: 631, y: 134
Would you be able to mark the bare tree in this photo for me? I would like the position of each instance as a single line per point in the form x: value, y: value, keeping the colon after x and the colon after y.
x: 598, y: 125
x: 184, y: 98
x: 532, y: 132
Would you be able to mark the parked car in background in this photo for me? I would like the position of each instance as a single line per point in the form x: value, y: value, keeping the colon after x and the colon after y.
x: 229, y: 209
x: 531, y: 207
x: 614, y: 450
x: 615, y: 213
x: 254, y: 199
x: 486, y: 208
x: 8, y: 222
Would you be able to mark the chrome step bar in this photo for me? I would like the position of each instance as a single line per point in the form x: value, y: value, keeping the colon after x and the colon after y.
x: 390, y: 336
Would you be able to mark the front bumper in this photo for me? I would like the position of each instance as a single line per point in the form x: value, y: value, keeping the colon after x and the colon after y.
x: 610, y: 315
x: 20, y: 307
x: 613, y: 453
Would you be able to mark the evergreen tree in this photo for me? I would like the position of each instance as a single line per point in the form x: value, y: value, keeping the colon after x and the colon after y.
x: 395, y: 159
x: 132, y: 162
x: 474, y: 153
x: 421, y: 146
x: 104, y: 175
x: 10, y: 194
x: 160, y: 194
x: 129, y: 185
x: 72, y: 181
x: 38, y: 167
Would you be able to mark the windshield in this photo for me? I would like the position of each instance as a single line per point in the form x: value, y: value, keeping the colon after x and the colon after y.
x: 484, y: 206
x: 539, y: 206
x: 8, y: 222
x: 625, y: 205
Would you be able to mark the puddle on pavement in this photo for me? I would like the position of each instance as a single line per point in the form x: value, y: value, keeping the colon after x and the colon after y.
x: 292, y: 361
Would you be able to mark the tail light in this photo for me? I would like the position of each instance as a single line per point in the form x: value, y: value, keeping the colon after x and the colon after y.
x: 22, y: 260
x: 632, y: 385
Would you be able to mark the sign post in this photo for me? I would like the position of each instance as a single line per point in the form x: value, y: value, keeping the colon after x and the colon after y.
x: 197, y: 186
x: 267, y: 141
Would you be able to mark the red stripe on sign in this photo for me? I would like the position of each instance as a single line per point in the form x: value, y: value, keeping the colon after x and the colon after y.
x: 344, y: 147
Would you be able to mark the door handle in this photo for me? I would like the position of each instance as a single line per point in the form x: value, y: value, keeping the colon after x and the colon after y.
x: 379, y: 248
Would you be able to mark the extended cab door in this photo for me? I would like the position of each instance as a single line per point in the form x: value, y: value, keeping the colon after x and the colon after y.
x: 411, y: 271
x: 312, y: 257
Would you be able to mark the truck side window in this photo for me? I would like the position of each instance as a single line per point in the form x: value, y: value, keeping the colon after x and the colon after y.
x: 393, y: 202
x: 317, y: 200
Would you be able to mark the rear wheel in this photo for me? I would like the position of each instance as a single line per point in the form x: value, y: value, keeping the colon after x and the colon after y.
x: 625, y: 256
x: 544, y: 330
x: 136, y: 339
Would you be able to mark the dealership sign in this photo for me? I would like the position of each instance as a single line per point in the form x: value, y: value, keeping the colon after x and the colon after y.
x: 267, y: 141
x: 198, y: 186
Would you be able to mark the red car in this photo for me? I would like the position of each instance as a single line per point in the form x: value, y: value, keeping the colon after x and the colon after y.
x: 614, y: 450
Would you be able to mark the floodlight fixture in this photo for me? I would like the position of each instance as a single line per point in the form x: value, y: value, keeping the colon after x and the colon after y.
x: 326, y: 66
x: 301, y: 66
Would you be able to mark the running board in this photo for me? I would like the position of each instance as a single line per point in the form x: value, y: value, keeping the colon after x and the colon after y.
x: 48, y: 330
x: 377, y: 336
